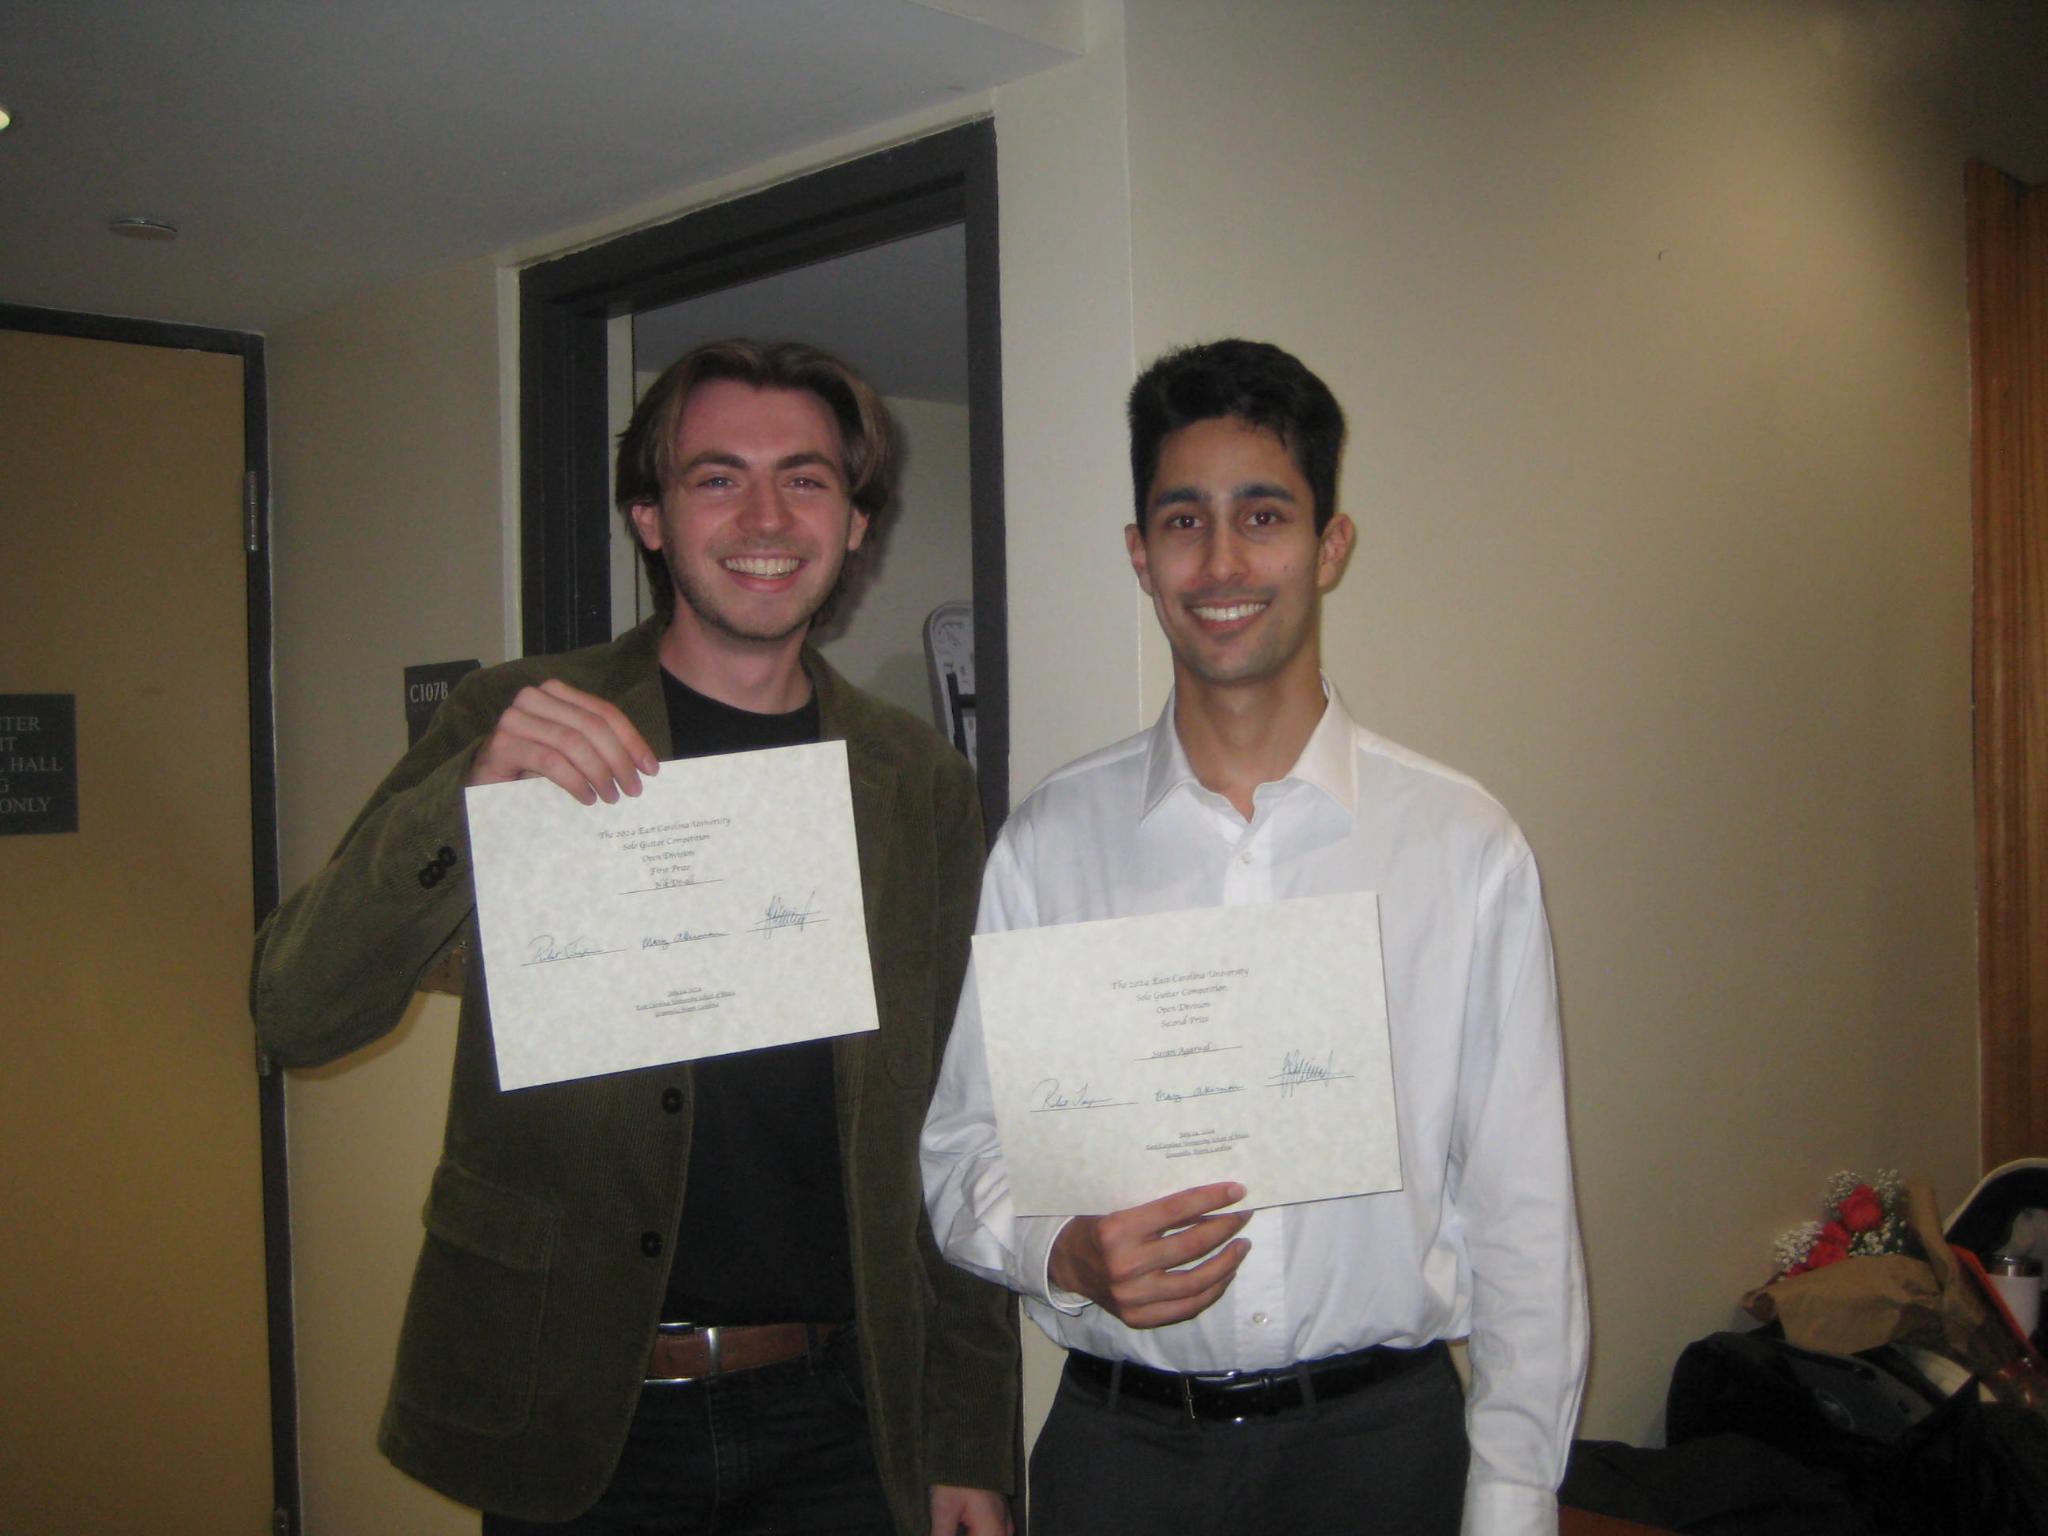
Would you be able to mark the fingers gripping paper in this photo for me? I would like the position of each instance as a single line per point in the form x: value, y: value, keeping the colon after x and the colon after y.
x: 1137, y: 1056
x: 717, y: 911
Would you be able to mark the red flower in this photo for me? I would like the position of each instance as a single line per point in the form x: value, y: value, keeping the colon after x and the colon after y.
x: 1861, y: 1210
x: 1827, y: 1251
x: 1835, y: 1234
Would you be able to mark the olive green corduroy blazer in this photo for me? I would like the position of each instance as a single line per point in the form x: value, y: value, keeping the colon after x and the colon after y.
x: 554, y: 1209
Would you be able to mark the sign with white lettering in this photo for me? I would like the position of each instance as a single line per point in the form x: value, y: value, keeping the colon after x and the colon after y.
x: 38, y: 763
x: 425, y: 687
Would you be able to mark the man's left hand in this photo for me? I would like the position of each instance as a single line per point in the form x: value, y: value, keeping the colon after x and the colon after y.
x: 970, y: 1512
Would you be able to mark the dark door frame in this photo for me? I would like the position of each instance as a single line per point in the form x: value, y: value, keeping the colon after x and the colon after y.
x: 277, y: 1240
x: 565, y: 447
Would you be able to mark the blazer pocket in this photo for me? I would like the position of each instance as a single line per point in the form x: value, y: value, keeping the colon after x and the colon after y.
x: 469, y: 1350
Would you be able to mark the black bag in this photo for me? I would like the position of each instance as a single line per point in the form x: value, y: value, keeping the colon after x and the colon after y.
x: 1716, y: 1485
x: 1908, y: 1460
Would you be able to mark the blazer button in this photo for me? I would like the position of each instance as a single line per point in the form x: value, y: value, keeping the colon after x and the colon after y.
x: 672, y: 1100
x: 650, y: 1244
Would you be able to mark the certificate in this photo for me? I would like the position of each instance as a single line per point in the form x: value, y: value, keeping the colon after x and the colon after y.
x: 1138, y: 1056
x: 718, y: 910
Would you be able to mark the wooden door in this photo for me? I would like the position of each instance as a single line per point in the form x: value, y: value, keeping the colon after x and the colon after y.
x: 133, y: 1388
x: 2008, y: 251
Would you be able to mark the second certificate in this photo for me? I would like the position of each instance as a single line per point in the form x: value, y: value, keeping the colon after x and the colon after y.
x: 1137, y: 1056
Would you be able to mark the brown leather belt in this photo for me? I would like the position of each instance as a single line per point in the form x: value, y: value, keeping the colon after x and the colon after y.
x: 686, y: 1352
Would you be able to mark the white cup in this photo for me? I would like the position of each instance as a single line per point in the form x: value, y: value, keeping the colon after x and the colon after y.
x: 2021, y: 1294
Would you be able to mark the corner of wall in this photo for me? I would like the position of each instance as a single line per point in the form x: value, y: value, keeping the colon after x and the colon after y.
x: 1067, y: 361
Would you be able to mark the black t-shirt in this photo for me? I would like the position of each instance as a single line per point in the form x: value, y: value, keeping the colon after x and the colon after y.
x: 763, y: 1233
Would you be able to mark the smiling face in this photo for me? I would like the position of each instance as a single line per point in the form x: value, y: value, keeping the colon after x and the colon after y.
x: 755, y: 523
x: 1231, y: 559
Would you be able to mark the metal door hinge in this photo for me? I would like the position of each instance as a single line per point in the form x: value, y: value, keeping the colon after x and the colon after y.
x: 280, y: 1521
x: 249, y: 522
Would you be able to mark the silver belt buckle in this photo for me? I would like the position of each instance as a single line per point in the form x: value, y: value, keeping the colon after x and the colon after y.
x: 1207, y: 1379
x: 714, y: 1349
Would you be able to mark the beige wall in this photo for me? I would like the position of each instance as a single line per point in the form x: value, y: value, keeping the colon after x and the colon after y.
x: 1076, y: 618
x: 386, y: 518
x: 1650, y: 323
x: 1067, y: 360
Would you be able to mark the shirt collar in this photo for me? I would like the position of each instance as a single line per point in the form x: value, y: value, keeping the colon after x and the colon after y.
x: 1328, y: 761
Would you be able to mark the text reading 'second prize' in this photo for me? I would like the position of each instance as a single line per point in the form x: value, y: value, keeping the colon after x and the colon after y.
x: 1137, y: 1056
x: 719, y: 910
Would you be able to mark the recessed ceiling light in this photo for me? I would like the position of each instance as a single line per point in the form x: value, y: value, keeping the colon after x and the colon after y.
x: 137, y: 228
x: 6, y: 117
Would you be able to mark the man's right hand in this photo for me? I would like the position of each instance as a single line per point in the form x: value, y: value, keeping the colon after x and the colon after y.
x: 581, y: 742
x: 1128, y: 1262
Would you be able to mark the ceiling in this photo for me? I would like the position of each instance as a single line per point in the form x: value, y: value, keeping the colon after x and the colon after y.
x: 309, y: 149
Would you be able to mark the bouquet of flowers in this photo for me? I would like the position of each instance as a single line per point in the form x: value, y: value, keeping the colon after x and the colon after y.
x: 1862, y: 1218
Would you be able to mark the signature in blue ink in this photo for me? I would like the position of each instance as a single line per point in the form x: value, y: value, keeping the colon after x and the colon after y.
x: 1298, y: 1069
x: 1204, y: 1048
x: 663, y: 941
x: 1176, y: 1095
x: 781, y: 915
x: 1048, y: 1094
x: 545, y: 949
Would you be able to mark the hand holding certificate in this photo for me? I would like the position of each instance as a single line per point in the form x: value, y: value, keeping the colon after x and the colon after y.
x: 1138, y: 1056
x: 719, y: 910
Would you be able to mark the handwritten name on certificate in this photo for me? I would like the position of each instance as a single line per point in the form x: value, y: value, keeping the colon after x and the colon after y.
x: 1137, y: 1056
x: 719, y: 910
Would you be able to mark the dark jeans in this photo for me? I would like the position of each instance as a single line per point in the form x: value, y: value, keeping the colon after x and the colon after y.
x: 1389, y: 1458
x: 783, y: 1448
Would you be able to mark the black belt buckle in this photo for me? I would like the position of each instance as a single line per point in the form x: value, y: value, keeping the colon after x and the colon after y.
x: 1237, y: 1395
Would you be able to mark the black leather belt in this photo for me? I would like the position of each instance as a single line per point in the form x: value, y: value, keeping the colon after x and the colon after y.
x: 1228, y: 1395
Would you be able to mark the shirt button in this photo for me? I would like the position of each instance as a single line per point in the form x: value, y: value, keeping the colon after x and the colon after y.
x: 1259, y: 1318
x: 672, y: 1100
x: 650, y: 1244
x: 1245, y: 857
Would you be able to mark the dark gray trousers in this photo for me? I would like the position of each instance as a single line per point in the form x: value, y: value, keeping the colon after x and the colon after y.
x: 1389, y: 1458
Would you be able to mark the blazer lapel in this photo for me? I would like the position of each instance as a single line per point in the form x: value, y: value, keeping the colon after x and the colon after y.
x: 873, y: 787
x: 640, y: 694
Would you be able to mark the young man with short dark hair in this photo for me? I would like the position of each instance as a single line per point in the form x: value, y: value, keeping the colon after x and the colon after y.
x: 1286, y: 1370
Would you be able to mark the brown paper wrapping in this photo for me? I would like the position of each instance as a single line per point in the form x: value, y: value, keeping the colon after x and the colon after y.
x: 1854, y: 1305
x: 1860, y: 1303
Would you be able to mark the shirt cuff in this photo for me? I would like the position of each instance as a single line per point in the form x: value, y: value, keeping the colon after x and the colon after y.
x: 1509, y: 1509
x: 1035, y: 1237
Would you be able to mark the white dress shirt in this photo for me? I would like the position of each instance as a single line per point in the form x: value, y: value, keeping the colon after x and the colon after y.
x: 1481, y: 1240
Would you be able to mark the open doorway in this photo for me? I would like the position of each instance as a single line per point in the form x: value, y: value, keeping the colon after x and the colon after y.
x: 872, y: 259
